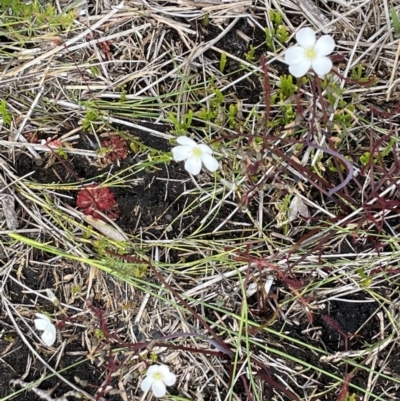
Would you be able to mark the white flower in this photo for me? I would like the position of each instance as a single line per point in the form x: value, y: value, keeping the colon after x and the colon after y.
x: 49, y: 330
x: 310, y: 53
x: 157, y: 377
x: 194, y: 155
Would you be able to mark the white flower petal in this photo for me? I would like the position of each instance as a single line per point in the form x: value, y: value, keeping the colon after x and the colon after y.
x: 49, y: 335
x: 152, y: 370
x: 300, y: 69
x: 180, y: 153
x: 49, y: 330
x: 158, y: 388
x: 146, y: 383
x: 169, y: 378
x: 306, y: 37
x: 162, y: 370
x: 193, y: 165
x: 294, y: 55
x: 42, y: 321
x: 186, y: 141
x: 43, y: 317
x: 322, y: 65
x: 205, y: 148
x: 210, y: 162
x: 40, y: 324
x: 325, y: 45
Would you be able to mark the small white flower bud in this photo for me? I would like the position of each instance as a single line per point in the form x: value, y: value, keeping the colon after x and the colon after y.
x: 52, y: 297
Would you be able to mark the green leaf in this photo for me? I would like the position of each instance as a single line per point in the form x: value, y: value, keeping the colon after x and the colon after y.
x: 269, y: 37
x: 395, y: 21
x: 286, y: 86
x: 222, y: 62
x: 4, y: 113
x: 99, y: 334
x: 365, y: 158
x: 250, y: 55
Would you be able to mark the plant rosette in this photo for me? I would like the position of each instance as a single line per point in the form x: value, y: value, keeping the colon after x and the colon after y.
x: 117, y: 149
x: 93, y: 199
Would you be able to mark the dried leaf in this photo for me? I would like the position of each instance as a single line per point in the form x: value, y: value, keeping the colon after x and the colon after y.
x: 106, y: 229
x: 297, y: 207
x: 315, y: 15
x: 8, y: 210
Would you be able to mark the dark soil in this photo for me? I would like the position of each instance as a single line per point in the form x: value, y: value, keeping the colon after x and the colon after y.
x: 149, y: 202
x: 332, y: 330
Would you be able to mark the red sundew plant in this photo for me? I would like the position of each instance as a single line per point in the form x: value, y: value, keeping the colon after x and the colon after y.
x: 117, y: 148
x: 93, y: 199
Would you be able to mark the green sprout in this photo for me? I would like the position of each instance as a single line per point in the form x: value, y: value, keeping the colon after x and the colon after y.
x: 94, y: 70
x: 366, y: 281
x: 278, y: 31
x: 91, y: 116
x: 333, y: 92
x: 395, y: 21
x: 181, y: 127
x: 282, y: 34
x: 233, y: 109
x: 206, y: 19
x: 250, y: 55
x: 76, y: 289
x: 217, y: 111
x: 269, y: 37
x: 206, y: 114
x: 286, y: 87
x: 99, y: 334
x: 5, y: 115
x: 366, y: 157
x: 222, y: 62
x: 218, y: 98
x: 124, y: 92
x: 37, y: 13
x: 356, y: 74
x: 62, y: 153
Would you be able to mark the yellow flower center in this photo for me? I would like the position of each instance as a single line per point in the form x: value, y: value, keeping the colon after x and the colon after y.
x: 310, y: 53
x: 197, y: 152
x: 157, y: 376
